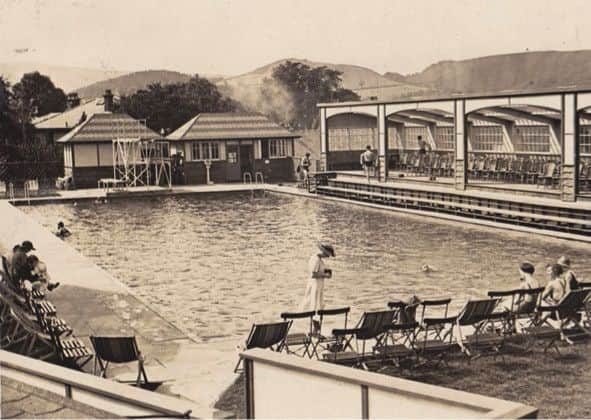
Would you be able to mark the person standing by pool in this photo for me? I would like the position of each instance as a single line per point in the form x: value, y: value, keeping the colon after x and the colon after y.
x: 367, y: 161
x: 305, y: 167
x: 314, y: 295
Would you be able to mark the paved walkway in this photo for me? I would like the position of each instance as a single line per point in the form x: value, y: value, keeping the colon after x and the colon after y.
x: 95, y: 303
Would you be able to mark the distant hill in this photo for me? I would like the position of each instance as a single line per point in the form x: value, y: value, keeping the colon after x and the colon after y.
x: 66, y: 78
x: 364, y: 81
x: 131, y: 82
x: 498, y: 73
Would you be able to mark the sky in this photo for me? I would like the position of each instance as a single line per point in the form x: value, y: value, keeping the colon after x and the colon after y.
x: 231, y: 37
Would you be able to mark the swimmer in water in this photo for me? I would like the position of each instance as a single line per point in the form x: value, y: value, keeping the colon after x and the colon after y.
x: 62, y: 232
x: 425, y: 268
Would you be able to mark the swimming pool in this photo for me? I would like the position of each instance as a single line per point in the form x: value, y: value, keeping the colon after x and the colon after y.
x: 213, y: 264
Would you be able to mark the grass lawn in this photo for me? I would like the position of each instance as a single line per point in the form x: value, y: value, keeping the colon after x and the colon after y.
x: 557, y: 384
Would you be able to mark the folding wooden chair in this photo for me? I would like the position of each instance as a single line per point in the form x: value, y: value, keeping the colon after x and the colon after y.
x: 371, y: 326
x: 71, y: 350
x: 266, y: 336
x: 328, y: 342
x: 299, y: 343
x: 434, y: 340
x: 487, y: 336
x: 569, y: 326
x: 517, y: 310
x: 119, y: 350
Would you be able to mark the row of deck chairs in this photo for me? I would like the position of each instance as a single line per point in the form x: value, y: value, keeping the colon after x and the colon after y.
x: 37, y: 315
x: 397, y: 336
x: 430, y: 164
x: 519, y: 170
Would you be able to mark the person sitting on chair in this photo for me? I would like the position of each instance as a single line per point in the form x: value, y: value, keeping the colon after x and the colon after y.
x: 38, y: 276
x: 570, y: 278
x: 526, y: 302
x: 19, y: 266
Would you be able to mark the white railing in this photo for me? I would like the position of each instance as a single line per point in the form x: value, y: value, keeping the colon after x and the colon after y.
x: 285, y: 386
x: 103, y: 394
x: 258, y: 178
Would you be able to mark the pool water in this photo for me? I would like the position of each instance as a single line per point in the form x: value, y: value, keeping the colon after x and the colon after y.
x: 214, y: 264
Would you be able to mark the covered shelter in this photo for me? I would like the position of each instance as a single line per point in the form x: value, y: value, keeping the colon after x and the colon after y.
x: 534, y: 142
x: 233, y: 144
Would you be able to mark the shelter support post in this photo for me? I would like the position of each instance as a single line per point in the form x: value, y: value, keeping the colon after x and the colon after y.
x: 570, y: 149
x: 323, y: 141
x: 461, y: 144
x: 382, y: 143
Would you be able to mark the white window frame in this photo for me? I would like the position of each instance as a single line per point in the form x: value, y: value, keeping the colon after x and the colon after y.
x: 282, y: 148
x: 203, y: 150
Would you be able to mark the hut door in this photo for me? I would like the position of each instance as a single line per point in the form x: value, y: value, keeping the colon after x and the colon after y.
x: 246, y: 158
x: 233, y: 172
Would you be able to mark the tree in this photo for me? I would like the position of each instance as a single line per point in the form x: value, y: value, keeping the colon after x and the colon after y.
x: 9, y: 130
x: 34, y: 96
x: 170, y: 106
x: 307, y: 87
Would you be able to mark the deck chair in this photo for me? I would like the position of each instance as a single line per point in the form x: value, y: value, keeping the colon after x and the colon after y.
x: 487, y: 336
x: 328, y: 342
x: 570, y: 325
x: 371, y: 326
x: 266, y: 336
x: 434, y: 340
x: 72, y: 351
x: 299, y: 343
x: 518, y: 312
x: 49, y: 323
x: 120, y: 350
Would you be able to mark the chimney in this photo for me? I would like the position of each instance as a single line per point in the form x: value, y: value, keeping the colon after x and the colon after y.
x: 72, y: 100
x: 108, y: 97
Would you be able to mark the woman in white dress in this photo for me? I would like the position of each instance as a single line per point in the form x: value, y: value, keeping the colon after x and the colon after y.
x: 314, y: 295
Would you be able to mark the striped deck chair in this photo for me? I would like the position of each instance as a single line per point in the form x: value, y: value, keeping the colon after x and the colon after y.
x: 569, y: 326
x: 487, y: 335
x: 371, y: 326
x: 50, y: 323
x: 299, y: 343
x: 71, y: 350
x: 266, y: 336
x: 120, y: 350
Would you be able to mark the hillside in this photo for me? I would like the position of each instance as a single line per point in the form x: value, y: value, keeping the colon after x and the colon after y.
x: 521, y: 71
x: 66, y: 78
x: 129, y: 83
x: 364, y: 81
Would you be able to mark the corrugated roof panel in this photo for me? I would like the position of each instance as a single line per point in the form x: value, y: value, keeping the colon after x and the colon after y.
x: 220, y: 126
x: 106, y: 127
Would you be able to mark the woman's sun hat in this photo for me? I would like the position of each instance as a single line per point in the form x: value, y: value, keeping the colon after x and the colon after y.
x: 327, y: 249
x: 564, y: 261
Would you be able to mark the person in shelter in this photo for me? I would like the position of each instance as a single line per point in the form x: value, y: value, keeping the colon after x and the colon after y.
x: 422, y: 145
x: 314, y: 295
x: 367, y: 161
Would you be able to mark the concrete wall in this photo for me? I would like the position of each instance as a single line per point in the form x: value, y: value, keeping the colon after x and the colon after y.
x: 283, y: 386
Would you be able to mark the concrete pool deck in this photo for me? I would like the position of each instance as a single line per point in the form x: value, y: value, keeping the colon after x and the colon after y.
x: 93, y: 302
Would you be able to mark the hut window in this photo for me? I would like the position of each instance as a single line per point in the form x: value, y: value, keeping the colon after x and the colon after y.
x: 205, y: 151
x: 279, y: 148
